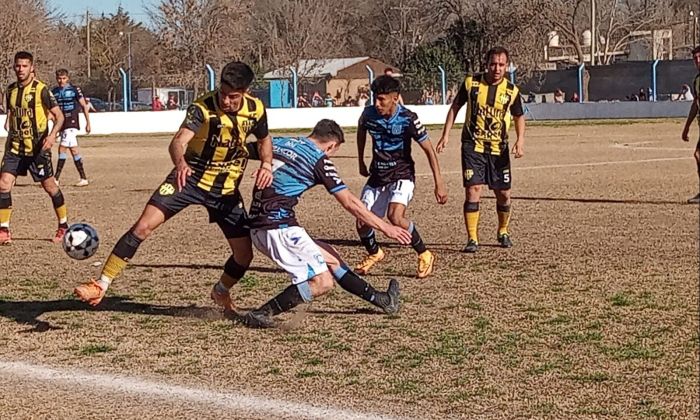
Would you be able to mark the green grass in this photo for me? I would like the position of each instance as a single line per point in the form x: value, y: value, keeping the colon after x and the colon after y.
x: 621, y: 299
x: 632, y: 351
x: 91, y: 349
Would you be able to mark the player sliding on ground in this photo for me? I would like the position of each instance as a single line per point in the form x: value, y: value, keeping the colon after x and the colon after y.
x: 300, y: 164
x: 210, y: 155
x: 392, y: 173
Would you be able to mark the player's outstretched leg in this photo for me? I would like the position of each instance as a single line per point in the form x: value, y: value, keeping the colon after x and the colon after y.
x: 426, y: 258
x: 6, y: 182
x: 351, y: 282
x: 503, y: 210
x: 94, y: 291
x: 78, y: 160
x: 234, y: 269
x: 375, y: 253
x: 59, y: 206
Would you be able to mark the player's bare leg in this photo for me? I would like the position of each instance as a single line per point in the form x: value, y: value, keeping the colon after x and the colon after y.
x: 503, y: 210
x: 696, y: 199
x: 234, y: 269
x: 78, y: 161
x: 59, y: 206
x: 7, y: 181
x: 426, y: 259
x: 471, y: 217
x: 125, y: 249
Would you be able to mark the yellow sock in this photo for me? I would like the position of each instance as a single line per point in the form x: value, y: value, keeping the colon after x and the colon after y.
x: 113, y: 267
x: 471, y: 220
x: 62, y: 214
x: 503, y: 218
x: 5, y: 217
x: 5, y: 209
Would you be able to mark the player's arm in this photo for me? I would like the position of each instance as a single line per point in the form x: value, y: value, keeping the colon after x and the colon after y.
x: 263, y: 175
x: 457, y: 104
x: 518, y: 113
x: 692, y: 114
x: 361, y: 142
x: 86, y: 110
x: 50, y: 103
x: 354, y: 206
x: 178, y: 145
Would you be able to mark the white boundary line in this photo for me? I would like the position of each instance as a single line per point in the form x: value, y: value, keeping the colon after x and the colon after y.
x: 237, y: 402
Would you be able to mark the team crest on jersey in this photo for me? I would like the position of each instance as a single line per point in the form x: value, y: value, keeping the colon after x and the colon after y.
x: 166, y: 189
x: 504, y: 99
x: 468, y: 174
x: 396, y: 129
x: 248, y: 125
x: 28, y: 97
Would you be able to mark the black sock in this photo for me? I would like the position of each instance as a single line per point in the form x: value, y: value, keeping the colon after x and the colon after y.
x: 79, y: 166
x: 353, y: 283
x: 416, y: 240
x: 127, y: 246
x: 286, y: 300
x: 59, y: 168
x: 369, y: 241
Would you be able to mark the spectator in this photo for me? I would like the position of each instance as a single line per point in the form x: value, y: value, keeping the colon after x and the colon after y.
x: 157, y: 104
x: 362, y: 99
x: 686, y: 94
x: 574, y: 97
x: 316, y: 99
x: 302, y: 102
x: 530, y: 98
x: 329, y: 102
x: 559, y: 96
x: 172, y: 101
x: 642, y: 95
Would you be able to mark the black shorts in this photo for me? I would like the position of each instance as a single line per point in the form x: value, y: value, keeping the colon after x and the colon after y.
x: 226, y: 211
x: 39, y: 165
x: 485, y: 168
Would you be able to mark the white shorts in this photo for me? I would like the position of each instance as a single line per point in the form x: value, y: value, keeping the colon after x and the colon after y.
x: 293, y: 250
x: 377, y: 199
x: 69, y: 137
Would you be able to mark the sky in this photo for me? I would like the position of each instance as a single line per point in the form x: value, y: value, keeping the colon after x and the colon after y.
x: 75, y: 9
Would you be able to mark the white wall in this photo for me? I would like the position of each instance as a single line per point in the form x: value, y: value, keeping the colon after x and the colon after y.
x: 302, y: 118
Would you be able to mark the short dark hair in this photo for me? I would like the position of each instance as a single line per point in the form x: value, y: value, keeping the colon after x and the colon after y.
x: 328, y: 130
x: 385, y: 84
x: 388, y: 70
x: 497, y: 51
x: 696, y: 50
x: 24, y: 55
x: 237, y: 75
x: 61, y: 72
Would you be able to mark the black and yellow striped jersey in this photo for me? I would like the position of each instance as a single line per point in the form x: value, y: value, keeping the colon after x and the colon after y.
x: 28, y: 107
x: 217, y: 154
x: 490, y: 109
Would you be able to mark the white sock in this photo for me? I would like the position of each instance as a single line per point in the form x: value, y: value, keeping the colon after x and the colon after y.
x: 104, y: 282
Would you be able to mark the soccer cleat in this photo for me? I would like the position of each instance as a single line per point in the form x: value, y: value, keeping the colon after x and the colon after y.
x: 694, y: 200
x: 83, y: 183
x: 368, y: 262
x: 258, y: 319
x: 472, y: 247
x: 60, y: 233
x: 222, y: 299
x: 5, y: 236
x: 394, y: 304
x: 426, y: 260
x: 504, y: 240
x: 90, y: 293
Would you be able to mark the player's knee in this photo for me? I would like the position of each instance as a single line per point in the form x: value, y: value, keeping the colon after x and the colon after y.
x: 5, y: 184
x: 321, y: 283
x: 50, y: 186
x: 142, y: 229
x: 396, y: 218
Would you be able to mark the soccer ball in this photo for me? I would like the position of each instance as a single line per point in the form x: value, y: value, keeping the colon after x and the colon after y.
x: 81, y: 241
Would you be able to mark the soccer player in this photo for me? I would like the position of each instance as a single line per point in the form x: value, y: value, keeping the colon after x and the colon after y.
x: 210, y: 156
x: 29, y: 143
x: 493, y: 102
x: 299, y: 164
x: 692, y: 116
x: 71, y: 100
x: 392, y: 172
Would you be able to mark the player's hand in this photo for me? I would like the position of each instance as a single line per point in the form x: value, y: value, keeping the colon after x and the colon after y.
x: 363, y: 169
x: 684, y: 136
x: 442, y: 144
x: 263, y: 176
x: 49, y: 141
x: 518, y: 151
x: 398, y: 234
x: 183, y: 171
x: 87, y: 128
x: 441, y: 193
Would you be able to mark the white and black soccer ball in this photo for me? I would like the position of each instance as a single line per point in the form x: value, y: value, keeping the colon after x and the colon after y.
x: 81, y: 241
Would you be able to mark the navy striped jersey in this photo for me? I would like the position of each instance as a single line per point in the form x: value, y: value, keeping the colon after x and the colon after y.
x: 68, y: 98
x: 391, y: 144
x: 297, y: 165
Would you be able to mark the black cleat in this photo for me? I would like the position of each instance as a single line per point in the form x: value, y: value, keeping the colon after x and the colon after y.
x: 257, y: 319
x: 505, y: 241
x: 392, y: 307
x: 472, y: 247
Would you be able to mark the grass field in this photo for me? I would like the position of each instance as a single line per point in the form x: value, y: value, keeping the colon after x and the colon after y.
x: 593, y: 313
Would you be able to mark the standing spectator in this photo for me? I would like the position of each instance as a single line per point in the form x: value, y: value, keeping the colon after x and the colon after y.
x: 362, y: 99
x: 642, y: 94
x: 574, y: 97
x: 686, y: 94
x: 172, y: 101
x: 302, y: 102
x: 329, y: 102
x: 559, y: 96
x: 316, y: 99
x: 157, y: 104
